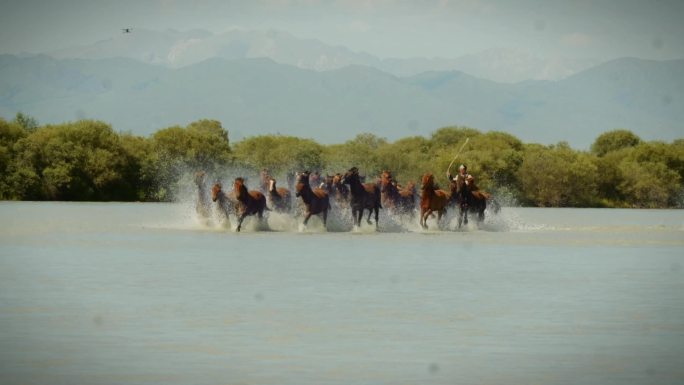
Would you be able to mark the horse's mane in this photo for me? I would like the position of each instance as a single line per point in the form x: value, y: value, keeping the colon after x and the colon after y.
x: 428, y: 181
x: 241, y: 188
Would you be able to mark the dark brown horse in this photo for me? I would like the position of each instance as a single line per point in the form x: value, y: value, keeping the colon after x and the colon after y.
x: 469, y: 198
x: 316, y: 200
x: 281, y: 199
x: 227, y: 203
x: 363, y: 196
x: 251, y: 202
x: 202, y: 206
x: 431, y: 200
x: 403, y: 201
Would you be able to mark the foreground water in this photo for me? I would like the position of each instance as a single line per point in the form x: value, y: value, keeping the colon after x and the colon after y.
x: 145, y: 294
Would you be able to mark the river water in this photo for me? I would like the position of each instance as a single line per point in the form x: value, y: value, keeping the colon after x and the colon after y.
x: 115, y: 293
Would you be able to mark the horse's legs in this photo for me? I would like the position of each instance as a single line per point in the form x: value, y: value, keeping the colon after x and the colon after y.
x: 325, y: 219
x: 424, y: 218
x: 242, y: 217
x: 376, y: 218
x: 370, y: 212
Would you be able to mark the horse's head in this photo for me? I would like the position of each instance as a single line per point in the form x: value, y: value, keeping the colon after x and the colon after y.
x: 349, y: 176
x: 470, y: 180
x: 239, y: 187
x: 271, y: 185
x: 428, y: 181
x: 302, y: 182
x: 200, y: 178
x: 386, y: 180
x: 215, y: 191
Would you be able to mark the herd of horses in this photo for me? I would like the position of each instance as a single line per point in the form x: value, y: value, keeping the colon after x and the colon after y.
x: 348, y: 192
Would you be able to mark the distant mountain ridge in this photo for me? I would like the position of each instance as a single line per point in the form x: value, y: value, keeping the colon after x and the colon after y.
x: 258, y: 96
x: 176, y: 49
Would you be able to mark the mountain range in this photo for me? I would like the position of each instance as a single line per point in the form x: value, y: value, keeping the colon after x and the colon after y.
x: 175, y: 49
x: 258, y: 96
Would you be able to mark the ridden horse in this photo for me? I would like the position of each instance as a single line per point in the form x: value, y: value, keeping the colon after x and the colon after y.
x: 202, y: 206
x: 395, y: 198
x: 469, y: 198
x: 226, y: 202
x: 281, y: 199
x: 432, y: 199
x: 363, y: 196
x: 316, y: 200
x: 252, y: 202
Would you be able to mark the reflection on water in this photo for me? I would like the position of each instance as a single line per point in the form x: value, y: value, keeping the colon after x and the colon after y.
x: 146, y: 293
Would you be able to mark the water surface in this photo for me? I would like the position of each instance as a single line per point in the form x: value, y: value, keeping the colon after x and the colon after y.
x: 145, y: 293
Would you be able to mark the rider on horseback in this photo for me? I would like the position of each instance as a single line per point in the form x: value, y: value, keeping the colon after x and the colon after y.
x: 464, y: 184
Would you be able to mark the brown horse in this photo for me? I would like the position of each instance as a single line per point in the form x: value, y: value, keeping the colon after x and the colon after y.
x: 340, y: 191
x: 316, y: 200
x: 403, y: 201
x: 363, y: 196
x: 470, y: 198
x: 431, y: 200
x: 202, y: 206
x: 226, y: 202
x: 251, y: 202
x: 281, y: 199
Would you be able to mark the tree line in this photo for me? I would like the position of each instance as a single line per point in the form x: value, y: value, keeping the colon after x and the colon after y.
x: 87, y: 160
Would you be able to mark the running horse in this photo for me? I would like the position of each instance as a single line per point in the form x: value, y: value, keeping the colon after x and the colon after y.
x: 403, y: 201
x: 316, y: 200
x: 281, y: 199
x: 363, y: 196
x: 431, y: 200
x: 468, y: 197
x: 226, y: 201
x: 251, y: 202
x: 338, y: 192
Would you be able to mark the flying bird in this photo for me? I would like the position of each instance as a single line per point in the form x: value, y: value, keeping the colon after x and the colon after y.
x: 127, y: 30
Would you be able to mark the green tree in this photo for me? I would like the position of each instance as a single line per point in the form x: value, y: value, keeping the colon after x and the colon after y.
x: 649, y: 184
x: 10, y: 133
x: 558, y: 176
x: 614, y: 140
x: 362, y: 152
x: 28, y: 123
x: 450, y: 136
x: 176, y: 151
x: 83, y: 160
x: 407, y: 158
x: 279, y: 154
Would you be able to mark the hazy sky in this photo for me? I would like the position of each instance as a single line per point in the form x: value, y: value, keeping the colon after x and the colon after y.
x: 387, y: 28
